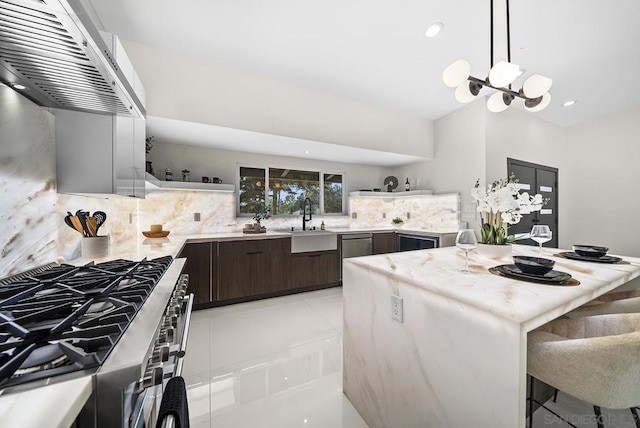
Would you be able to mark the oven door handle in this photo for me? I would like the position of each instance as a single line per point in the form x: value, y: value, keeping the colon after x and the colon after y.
x: 187, y: 323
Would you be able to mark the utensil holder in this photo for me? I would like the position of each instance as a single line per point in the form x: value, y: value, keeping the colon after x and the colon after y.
x: 95, y: 246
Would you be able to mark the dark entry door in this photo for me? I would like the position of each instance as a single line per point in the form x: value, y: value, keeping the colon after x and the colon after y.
x: 534, y: 178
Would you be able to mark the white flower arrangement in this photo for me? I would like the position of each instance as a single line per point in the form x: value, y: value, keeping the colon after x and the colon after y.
x: 502, y: 203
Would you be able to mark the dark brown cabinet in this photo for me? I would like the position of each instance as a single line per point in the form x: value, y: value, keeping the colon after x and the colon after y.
x: 383, y: 243
x: 252, y: 267
x: 227, y: 272
x: 201, y: 267
x: 314, y: 269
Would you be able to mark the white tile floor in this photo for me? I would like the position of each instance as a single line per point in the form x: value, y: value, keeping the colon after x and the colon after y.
x: 270, y: 363
x: 277, y: 363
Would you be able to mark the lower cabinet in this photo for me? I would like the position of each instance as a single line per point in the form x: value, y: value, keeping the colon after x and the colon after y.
x: 252, y: 267
x: 383, y: 242
x: 202, y: 271
x: 314, y: 269
x: 232, y: 271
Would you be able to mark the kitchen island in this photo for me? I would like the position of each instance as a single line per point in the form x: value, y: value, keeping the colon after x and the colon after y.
x: 459, y: 356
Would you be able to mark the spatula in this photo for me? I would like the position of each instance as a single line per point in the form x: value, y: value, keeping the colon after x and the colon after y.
x: 76, y: 224
x: 92, y: 226
x: 67, y: 220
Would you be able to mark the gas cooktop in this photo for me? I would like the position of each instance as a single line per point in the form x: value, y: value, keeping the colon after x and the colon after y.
x: 69, y: 318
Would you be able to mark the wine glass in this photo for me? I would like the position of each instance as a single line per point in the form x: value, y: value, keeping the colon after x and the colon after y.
x: 466, y: 241
x: 541, y: 234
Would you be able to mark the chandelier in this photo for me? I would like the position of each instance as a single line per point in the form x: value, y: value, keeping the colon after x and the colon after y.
x: 534, y: 91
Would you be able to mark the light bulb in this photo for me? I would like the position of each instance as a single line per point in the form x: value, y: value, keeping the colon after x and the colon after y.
x: 546, y: 99
x: 536, y: 86
x: 456, y: 73
x: 503, y: 74
x: 496, y: 103
x: 434, y: 29
x: 464, y: 93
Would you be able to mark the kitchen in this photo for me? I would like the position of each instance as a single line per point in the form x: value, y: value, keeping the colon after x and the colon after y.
x: 592, y: 150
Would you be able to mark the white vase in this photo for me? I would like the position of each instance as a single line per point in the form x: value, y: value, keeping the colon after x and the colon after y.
x: 496, y: 252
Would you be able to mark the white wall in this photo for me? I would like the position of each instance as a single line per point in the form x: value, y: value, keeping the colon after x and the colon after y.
x: 521, y: 135
x: 224, y: 164
x: 459, y: 154
x: 601, y: 177
x: 182, y: 88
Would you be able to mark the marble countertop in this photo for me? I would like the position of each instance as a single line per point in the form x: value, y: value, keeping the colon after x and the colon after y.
x: 41, y: 407
x: 528, y: 304
x: 140, y: 247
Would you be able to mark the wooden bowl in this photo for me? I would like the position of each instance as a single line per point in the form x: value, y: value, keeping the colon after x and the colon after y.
x: 162, y: 234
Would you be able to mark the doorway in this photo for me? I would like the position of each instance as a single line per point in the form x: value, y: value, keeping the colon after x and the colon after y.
x: 534, y: 178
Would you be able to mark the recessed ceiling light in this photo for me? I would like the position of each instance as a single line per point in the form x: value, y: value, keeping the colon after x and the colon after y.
x: 306, y: 152
x: 18, y: 86
x: 569, y: 103
x: 434, y: 29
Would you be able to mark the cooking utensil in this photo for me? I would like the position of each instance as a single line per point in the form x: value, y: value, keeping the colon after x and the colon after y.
x: 92, y: 226
x: 82, y: 216
x: 69, y: 222
x: 76, y: 224
x: 100, y: 217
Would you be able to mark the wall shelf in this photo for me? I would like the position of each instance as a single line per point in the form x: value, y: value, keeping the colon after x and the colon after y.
x: 367, y: 194
x: 152, y: 184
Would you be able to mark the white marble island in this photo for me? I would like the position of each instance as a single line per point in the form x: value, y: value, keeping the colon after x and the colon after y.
x: 459, y: 357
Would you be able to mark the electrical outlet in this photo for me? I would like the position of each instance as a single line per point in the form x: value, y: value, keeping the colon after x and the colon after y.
x: 130, y: 218
x: 408, y: 216
x: 384, y: 215
x: 396, y: 308
x: 196, y: 216
x: 354, y: 215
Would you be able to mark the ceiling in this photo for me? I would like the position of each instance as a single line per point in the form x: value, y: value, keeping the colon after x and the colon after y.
x: 256, y: 142
x: 375, y: 50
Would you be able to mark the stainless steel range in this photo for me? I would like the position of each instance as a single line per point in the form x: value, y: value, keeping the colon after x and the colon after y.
x: 116, y: 321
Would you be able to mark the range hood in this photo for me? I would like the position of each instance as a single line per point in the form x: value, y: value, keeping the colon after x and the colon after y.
x: 53, y: 49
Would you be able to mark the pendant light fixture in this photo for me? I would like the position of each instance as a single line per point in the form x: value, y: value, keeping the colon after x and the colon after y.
x: 534, y: 92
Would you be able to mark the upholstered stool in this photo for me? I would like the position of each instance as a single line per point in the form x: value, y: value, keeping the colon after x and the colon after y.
x: 595, y: 359
x: 623, y: 302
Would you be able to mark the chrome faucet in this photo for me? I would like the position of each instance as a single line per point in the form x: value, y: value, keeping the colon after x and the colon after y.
x: 304, y: 213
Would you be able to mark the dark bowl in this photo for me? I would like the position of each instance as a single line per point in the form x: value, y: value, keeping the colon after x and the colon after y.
x: 590, y: 250
x: 533, y: 265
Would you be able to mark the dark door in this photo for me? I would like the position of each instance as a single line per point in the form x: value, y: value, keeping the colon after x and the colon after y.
x: 534, y: 178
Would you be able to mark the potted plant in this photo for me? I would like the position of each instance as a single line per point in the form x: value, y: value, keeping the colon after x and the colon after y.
x: 260, y: 212
x: 499, y: 205
x: 397, y: 221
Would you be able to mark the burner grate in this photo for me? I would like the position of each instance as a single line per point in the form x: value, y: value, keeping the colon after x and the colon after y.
x: 67, y: 318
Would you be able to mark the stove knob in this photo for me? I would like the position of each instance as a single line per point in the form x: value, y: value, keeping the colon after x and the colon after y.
x: 152, y: 376
x: 176, y: 310
x: 160, y: 354
x: 170, y: 333
x: 170, y: 321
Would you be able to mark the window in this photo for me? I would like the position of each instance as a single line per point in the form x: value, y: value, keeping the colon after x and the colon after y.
x: 284, y: 190
x: 252, y: 185
x: 332, y: 193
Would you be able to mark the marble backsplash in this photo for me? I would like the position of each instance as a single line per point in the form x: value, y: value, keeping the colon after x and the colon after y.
x: 129, y: 217
x: 175, y: 210
x: 27, y: 184
x: 436, y: 213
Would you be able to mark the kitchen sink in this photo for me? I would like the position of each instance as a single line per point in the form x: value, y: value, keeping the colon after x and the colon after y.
x: 303, y: 241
